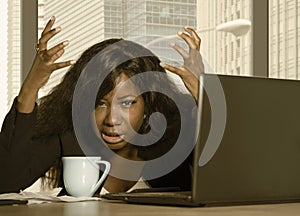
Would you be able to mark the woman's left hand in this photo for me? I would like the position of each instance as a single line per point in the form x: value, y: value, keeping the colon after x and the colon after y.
x: 193, y: 65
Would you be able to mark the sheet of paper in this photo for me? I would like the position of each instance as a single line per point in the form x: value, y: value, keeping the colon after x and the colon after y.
x: 44, y: 196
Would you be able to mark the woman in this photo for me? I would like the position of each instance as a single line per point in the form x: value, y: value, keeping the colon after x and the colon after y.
x: 37, y: 137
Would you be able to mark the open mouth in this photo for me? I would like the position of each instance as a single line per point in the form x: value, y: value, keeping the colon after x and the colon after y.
x: 111, y: 138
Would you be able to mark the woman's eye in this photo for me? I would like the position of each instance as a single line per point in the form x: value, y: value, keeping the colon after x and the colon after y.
x: 128, y: 103
x: 102, y: 105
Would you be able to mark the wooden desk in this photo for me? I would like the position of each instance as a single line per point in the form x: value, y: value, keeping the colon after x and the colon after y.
x: 92, y: 208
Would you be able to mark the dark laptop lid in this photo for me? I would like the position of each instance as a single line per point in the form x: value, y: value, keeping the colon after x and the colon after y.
x: 258, y: 158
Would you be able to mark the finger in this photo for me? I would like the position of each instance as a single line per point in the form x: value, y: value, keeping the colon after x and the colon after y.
x: 57, y: 48
x: 49, y: 25
x: 63, y: 64
x: 57, y: 55
x: 180, y: 50
x: 195, y: 36
x: 173, y: 69
x: 46, y: 37
x: 187, y: 39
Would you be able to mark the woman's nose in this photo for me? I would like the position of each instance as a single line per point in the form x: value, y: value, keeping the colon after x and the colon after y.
x: 112, y: 117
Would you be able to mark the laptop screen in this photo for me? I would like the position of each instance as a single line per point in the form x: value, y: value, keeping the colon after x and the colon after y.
x: 257, y: 157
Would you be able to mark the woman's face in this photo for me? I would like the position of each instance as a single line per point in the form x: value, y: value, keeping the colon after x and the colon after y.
x: 116, y: 113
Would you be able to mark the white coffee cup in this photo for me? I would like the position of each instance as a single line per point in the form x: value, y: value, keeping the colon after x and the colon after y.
x: 81, y: 175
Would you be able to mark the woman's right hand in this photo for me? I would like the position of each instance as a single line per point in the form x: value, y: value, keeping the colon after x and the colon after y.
x: 193, y: 65
x: 43, y: 66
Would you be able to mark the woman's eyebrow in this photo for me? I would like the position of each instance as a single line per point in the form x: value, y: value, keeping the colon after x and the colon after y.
x: 126, y: 96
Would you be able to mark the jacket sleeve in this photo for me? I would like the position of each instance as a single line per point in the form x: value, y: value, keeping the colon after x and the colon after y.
x: 22, y: 159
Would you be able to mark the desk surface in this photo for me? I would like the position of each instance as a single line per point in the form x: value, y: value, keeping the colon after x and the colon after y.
x: 107, y: 209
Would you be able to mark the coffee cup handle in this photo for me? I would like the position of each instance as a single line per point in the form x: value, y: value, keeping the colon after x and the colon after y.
x: 104, y: 175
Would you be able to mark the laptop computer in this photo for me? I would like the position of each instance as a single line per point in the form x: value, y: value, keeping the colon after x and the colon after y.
x: 258, y: 157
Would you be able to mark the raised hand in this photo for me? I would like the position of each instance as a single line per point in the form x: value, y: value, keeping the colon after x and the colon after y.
x: 43, y: 65
x: 193, y: 65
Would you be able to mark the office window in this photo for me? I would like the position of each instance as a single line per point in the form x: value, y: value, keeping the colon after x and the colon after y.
x: 4, y: 60
x: 220, y: 48
x: 98, y: 20
x: 87, y: 22
x: 284, y: 38
x: 10, y: 12
x: 138, y: 19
